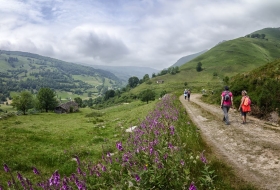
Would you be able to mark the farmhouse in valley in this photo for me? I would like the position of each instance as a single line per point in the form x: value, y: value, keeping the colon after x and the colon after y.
x: 67, y: 107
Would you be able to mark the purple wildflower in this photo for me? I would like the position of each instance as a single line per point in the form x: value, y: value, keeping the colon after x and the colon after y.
x: 78, y: 160
x: 172, y: 130
x: 9, y: 183
x: 119, y: 146
x: 98, y: 174
x: 20, y: 178
x: 165, y: 156
x: 192, y: 186
x: 104, y: 168
x: 137, y: 177
x: 182, y: 162
x: 108, y: 154
x: 36, y: 171
x: 6, y: 168
x: 151, y: 150
x: 55, y: 179
x: 202, y: 158
x: 170, y: 145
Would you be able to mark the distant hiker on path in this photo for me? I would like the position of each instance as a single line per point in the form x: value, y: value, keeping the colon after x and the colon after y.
x: 245, y: 106
x: 226, y: 103
x: 185, y: 94
x: 189, y: 94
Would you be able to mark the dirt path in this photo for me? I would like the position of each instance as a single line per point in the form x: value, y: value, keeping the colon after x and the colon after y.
x: 253, y: 149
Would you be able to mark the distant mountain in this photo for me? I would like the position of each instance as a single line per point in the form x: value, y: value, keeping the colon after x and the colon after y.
x: 187, y: 58
x: 125, y: 72
x: 227, y: 59
x: 26, y: 71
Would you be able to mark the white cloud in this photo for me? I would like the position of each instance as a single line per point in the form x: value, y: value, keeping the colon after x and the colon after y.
x: 153, y: 33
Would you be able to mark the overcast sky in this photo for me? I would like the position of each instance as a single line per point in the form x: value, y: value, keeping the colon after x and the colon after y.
x: 148, y: 33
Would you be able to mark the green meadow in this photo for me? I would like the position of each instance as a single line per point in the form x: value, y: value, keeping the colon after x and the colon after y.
x: 50, y: 141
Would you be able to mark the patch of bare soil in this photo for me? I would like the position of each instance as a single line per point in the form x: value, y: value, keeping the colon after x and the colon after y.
x: 252, y: 149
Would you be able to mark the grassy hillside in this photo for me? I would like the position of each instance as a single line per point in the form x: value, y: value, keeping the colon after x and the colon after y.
x: 25, y: 71
x: 226, y: 59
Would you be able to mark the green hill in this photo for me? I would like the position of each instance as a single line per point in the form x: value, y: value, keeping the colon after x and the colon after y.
x: 26, y: 71
x: 225, y: 59
x: 262, y: 85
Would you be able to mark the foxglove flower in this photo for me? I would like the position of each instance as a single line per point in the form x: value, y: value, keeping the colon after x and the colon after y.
x: 192, y: 186
x: 202, y: 158
x: 35, y: 171
x: 119, y: 146
x: 6, y: 168
x: 172, y: 130
x: 137, y: 177
x: 182, y: 162
x: 78, y: 160
x: 104, y: 168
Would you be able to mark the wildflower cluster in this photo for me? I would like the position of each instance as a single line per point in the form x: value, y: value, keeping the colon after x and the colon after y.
x: 151, y: 156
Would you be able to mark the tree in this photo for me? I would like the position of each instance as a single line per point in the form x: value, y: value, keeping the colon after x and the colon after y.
x: 199, y: 67
x: 147, y: 95
x: 79, y: 101
x: 109, y: 94
x: 23, y: 101
x: 47, y: 100
x: 146, y: 78
x: 133, y: 82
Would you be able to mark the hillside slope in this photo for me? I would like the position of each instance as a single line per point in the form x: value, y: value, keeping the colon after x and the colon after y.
x: 187, y: 58
x: 26, y: 71
x: 125, y: 72
x: 225, y: 59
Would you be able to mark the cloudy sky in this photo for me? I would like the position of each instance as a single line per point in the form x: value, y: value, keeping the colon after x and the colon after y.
x: 148, y: 33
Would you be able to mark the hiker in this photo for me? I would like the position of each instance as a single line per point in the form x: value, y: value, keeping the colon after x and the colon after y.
x: 185, y: 93
x: 189, y: 94
x: 245, y: 106
x: 226, y: 103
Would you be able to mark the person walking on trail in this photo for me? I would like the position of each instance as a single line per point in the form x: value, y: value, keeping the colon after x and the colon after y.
x: 189, y: 94
x: 226, y: 103
x: 185, y: 94
x: 245, y: 106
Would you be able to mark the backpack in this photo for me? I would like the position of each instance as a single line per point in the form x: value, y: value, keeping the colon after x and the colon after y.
x: 247, y: 101
x: 226, y: 96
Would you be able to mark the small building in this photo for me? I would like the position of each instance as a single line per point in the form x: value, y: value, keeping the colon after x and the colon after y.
x: 67, y: 107
x: 160, y: 81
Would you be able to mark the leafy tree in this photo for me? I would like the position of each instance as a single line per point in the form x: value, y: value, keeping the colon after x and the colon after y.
x: 47, y: 100
x: 186, y: 84
x: 109, y: 94
x: 146, y: 78
x: 154, y: 75
x: 23, y: 101
x: 147, y: 95
x: 79, y: 101
x: 133, y: 82
x: 199, y: 67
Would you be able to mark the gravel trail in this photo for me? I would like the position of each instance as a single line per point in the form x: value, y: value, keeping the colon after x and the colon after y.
x: 253, y: 149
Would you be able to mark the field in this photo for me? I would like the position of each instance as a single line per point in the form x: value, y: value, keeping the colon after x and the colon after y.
x: 49, y: 141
